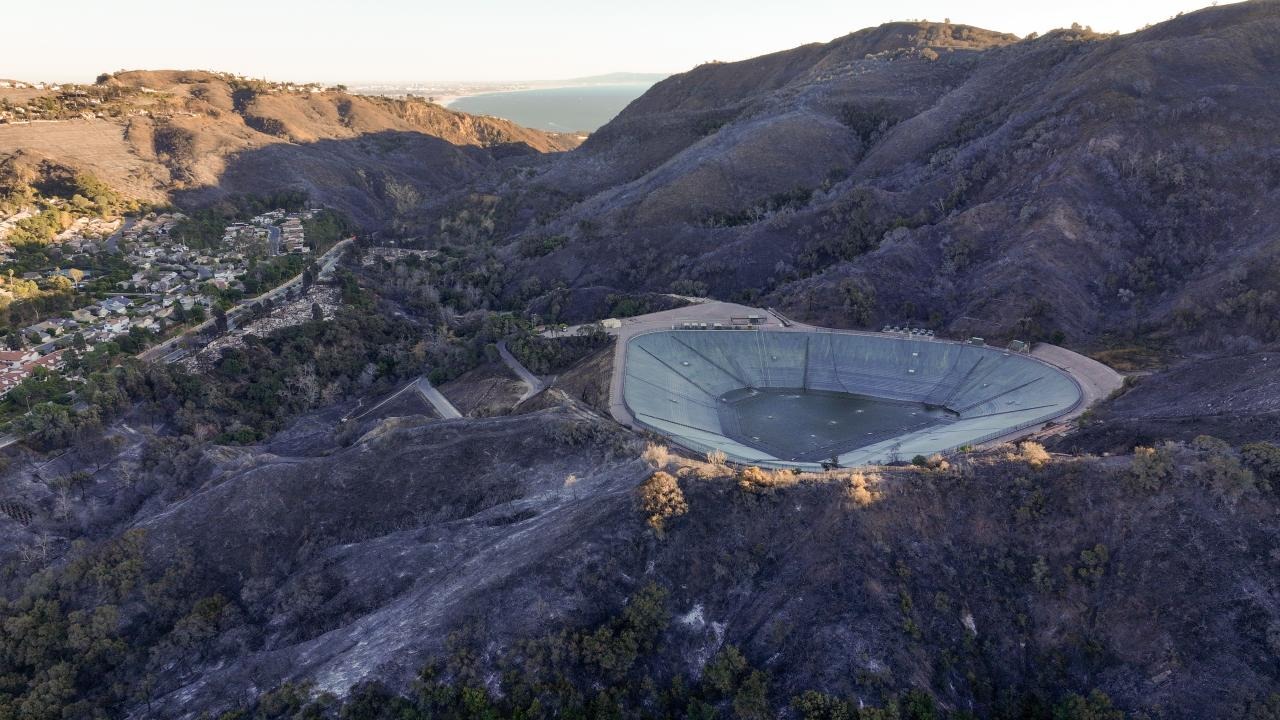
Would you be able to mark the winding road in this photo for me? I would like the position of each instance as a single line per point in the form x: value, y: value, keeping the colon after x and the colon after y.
x: 534, y: 384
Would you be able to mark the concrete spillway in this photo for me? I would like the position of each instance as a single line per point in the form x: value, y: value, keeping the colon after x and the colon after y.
x: 796, y: 399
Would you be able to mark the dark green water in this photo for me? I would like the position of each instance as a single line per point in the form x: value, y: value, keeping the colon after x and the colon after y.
x: 566, y: 109
x: 813, y: 425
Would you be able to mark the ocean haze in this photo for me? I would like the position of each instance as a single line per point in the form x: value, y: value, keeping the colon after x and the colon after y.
x: 582, y: 108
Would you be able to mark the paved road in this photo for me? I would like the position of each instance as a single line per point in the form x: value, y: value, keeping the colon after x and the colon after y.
x: 1096, y: 381
x: 534, y: 384
x: 113, y: 242
x: 423, y: 387
x: 437, y: 399
x: 273, y: 239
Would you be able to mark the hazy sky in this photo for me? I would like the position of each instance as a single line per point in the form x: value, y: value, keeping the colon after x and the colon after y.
x: 326, y: 40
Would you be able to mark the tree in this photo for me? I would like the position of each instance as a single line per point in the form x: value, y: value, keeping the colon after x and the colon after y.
x: 751, y: 702
x: 1264, y: 459
x: 720, y: 675
x: 813, y: 705
x: 220, y: 318
x: 317, y: 312
x: 1097, y: 706
x: 859, y: 302
x: 76, y: 275
x: 61, y: 284
x: 1150, y: 468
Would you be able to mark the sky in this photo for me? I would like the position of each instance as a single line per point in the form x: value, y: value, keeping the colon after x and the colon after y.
x: 479, y: 40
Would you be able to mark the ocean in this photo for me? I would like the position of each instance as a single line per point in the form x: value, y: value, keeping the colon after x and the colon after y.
x: 564, y: 109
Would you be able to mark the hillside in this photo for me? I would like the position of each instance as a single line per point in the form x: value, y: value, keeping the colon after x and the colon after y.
x: 197, y: 136
x: 1110, y: 190
x: 999, y: 585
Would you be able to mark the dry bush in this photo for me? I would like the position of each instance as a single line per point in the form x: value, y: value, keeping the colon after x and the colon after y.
x: 933, y: 462
x: 1033, y: 454
x: 717, y: 458
x: 757, y: 480
x: 860, y: 488
x: 661, y: 497
x: 658, y: 456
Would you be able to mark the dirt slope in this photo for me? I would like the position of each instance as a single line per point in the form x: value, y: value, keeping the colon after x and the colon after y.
x: 196, y: 136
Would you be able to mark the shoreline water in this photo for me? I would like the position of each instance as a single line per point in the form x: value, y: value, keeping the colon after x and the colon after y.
x: 566, y: 108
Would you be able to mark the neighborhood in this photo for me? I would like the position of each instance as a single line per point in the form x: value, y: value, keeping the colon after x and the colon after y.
x: 172, y: 285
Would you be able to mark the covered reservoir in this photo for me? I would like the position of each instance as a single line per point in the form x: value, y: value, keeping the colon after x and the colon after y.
x: 797, y: 399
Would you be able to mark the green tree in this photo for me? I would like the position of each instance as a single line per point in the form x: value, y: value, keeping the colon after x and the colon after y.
x: 1264, y: 459
x: 1095, y: 706
x: 859, y: 302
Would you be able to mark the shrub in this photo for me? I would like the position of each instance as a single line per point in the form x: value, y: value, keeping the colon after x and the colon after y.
x: 532, y: 247
x: 545, y: 356
x: 919, y: 705
x: 813, y: 705
x: 1093, y: 565
x: 1264, y: 459
x: 1033, y: 454
x: 657, y: 456
x: 859, y: 302
x: 1097, y: 706
x: 661, y: 497
x: 1225, y: 476
x: 867, y: 123
x: 717, y: 458
x: 756, y: 480
x: 932, y: 462
x: 1210, y: 444
x: 1151, y: 468
x: 1040, y: 574
x: 751, y: 702
x: 860, y: 488
x: 721, y: 675
x: 1260, y: 708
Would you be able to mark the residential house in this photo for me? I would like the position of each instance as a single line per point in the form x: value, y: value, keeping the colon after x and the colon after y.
x: 52, y: 361
x: 116, y: 326
x: 117, y: 305
x: 89, y: 313
x: 10, y: 359
x: 14, y: 374
x: 41, y: 332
